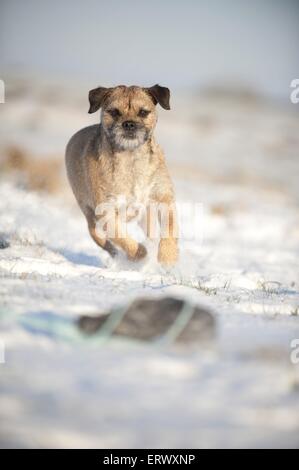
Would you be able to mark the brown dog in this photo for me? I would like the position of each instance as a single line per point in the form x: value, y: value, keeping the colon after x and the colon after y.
x: 119, y: 158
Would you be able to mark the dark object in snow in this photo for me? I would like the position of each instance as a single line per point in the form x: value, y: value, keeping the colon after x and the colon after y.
x: 166, y: 320
x: 3, y: 242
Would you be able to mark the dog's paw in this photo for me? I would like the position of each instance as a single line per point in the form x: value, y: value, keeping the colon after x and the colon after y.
x: 112, y: 250
x: 168, y: 252
x: 139, y: 254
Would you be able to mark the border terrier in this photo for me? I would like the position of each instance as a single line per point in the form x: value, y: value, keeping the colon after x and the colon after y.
x: 119, y: 158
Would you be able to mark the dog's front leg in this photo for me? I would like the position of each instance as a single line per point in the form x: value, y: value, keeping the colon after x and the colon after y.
x: 168, y: 246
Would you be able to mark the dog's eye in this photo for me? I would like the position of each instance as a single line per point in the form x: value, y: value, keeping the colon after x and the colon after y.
x: 143, y: 113
x: 114, y: 112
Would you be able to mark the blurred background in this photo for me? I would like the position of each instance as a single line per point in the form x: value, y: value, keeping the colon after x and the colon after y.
x: 182, y: 44
x: 231, y: 141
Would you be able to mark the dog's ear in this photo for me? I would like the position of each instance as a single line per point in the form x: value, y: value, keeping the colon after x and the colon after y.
x: 160, y: 94
x: 96, y: 98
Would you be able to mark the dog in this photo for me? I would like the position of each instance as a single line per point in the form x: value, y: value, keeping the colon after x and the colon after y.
x: 118, y: 159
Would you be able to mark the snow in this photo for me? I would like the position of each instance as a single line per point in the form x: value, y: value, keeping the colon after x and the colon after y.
x: 59, y: 389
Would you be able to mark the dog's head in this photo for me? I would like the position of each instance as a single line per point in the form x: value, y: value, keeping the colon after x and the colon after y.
x: 128, y: 113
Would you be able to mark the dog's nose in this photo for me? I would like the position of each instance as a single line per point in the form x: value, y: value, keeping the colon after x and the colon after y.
x: 129, y: 125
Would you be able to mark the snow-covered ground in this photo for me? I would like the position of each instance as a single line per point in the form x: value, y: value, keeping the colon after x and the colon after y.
x: 239, y: 159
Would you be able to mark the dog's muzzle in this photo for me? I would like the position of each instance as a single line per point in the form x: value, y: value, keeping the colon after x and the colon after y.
x: 127, y: 136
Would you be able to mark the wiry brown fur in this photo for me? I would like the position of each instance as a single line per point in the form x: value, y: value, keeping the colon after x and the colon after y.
x: 101, y: 163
